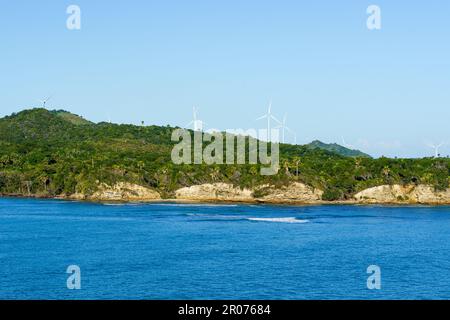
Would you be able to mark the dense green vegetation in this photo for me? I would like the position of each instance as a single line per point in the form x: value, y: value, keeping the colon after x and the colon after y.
x: 335, y: 148
x: 50, y: 153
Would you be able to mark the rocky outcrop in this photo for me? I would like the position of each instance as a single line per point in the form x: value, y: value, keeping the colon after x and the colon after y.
x: 427, y: 194
x: 121, y: 191
x: 421, y: 194
x: 296, y: 192
x: 214, y: 192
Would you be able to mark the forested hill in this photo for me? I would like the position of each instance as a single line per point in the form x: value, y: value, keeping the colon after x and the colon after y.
x: 49, y: 153
x: 335, y: 148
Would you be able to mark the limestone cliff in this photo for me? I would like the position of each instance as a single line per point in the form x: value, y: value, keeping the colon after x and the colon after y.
x: 421, y: 194
x: 296, y: 192
x: 290, y: 194
x: 121, y: 191
x: 214, y: 192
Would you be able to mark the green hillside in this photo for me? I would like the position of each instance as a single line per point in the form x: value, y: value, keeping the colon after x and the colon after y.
x: 336, y: 148
x: 70, y: 117
x: 50, y: 153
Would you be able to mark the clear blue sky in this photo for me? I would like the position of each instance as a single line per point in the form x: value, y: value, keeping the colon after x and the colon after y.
x: 385, y: 91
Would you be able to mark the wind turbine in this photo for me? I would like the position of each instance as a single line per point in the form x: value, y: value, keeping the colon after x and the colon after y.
x: 196, y: 123
x: 283, y: 127
x: 44, y: 102
x: 269, y: 116
x: 436, y: 148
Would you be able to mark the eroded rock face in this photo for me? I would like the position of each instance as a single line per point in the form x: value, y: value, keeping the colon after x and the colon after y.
x: 75, y: 196
x: 427, y: 194
x: 214, y: 192
x: 293, y: 193
x: 124, y: 191
x: 423, y: 194
x: 296, y: 192
x: 382, y: 194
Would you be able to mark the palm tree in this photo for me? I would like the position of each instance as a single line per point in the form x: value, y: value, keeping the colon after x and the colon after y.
x: 286, y: 166
x: 215, y: 174
x: 386, y: 171
x: 357, y: 163
x: 28, y: 185
x: 44, y: 180
x: 297, y: 162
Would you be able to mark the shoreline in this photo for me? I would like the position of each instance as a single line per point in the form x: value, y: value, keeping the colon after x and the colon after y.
x: 215, y: 201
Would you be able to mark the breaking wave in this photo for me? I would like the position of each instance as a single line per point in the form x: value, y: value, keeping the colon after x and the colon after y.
x: 280, y: 220
x: 241, y: 217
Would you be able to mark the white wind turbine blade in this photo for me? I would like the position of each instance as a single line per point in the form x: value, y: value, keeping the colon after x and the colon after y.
x: 437, y: 148
x: 289, y: 130
x: 262, y: 117
x: 429, y: 143
x: 434, y: 147
x: 275, y: 119
x: 293, y: 133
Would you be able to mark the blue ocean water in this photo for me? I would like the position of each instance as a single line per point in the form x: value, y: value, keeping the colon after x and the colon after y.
x: 190, y: 251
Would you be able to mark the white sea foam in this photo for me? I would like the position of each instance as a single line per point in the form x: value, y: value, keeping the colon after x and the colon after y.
x: 281, y: 220
x: 216, y: 216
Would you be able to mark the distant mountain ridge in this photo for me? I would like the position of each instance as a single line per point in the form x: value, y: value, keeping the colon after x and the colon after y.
x: 338, y: 149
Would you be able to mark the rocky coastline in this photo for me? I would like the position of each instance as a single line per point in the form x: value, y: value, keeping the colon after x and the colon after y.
x: 295, y: 193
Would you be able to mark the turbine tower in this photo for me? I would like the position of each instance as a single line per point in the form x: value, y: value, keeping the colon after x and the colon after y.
x: 44, y: 102
x: 269, y: 116
x: 436, y: 148
x: 197, y: 124
x: 284, y: 128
